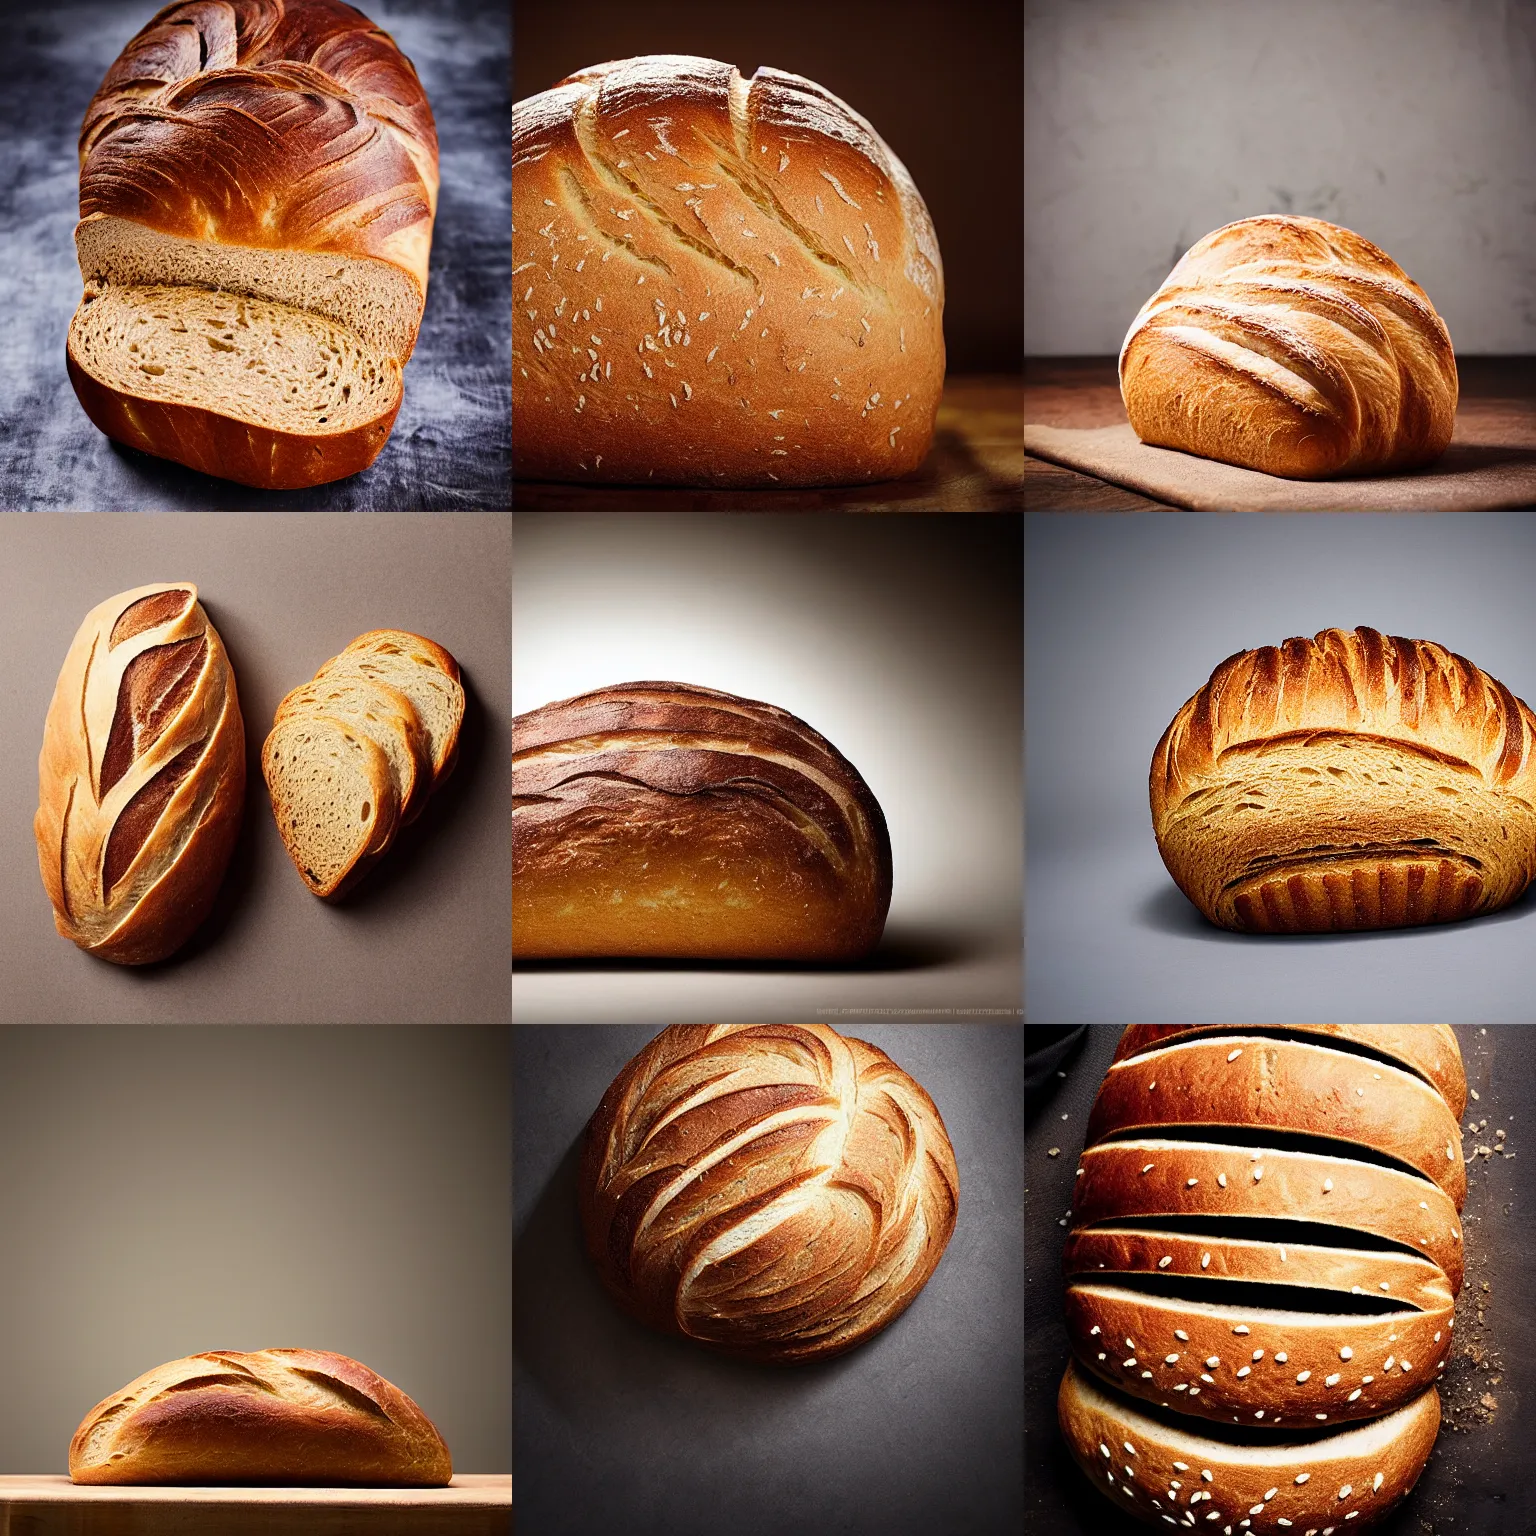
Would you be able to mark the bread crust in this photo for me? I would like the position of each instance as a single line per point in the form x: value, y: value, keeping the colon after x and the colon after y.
x: 661, y: 819
x: 1293, y: 346
x: 1149, y: 1467
x: 779, y: 1192
x: 271, y: 1416
x: 1288, y: 1086
x: 218, y: 444
x: 718, y: 282
x: 1431, y: 1050
x: 1353, y: 780
x: 110, y: 751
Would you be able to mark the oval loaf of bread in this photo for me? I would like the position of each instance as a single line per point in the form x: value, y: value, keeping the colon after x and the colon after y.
x: 141, y: 779
x: 258, y: 180
x: 780, y: 1192
x: 299, y: 1416
x: 1265, y: 1236
x: 1353, y: 780
x: 665, y: 820
x: 717, y: 281
x: 1290, y: 345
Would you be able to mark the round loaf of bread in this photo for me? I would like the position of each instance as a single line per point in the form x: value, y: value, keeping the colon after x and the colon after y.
x: 300, y: 1416
x: 1354, y: 780
x: 670, y: 821
x: 1161, y: 1471
x: 1293, y: 346
x: 717, y: 282
x: 780, y: 1192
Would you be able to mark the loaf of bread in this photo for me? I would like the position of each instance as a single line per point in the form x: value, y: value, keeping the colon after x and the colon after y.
x: 717, y: 282
x: 1265, y: 1235
x: 665, y: 820
x: 1289, y: 345
x: 141, y: 779
x: 258, y: 180
x: 299, y: 1416
x: 779, y: 1192
x: 1161, y: 1471
x: 1354, y: 780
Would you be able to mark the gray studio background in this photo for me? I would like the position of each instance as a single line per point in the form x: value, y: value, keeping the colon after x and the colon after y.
x: 1149, y: 123
x: 916, y: 1432
x: 899, y: 639
x: 170, y: 1191
x: 1476, y: 1482
x: 425, y: 938
x: 1126, y: 618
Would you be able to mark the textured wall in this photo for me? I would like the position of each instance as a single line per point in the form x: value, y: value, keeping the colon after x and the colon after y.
x: 1150, y: 122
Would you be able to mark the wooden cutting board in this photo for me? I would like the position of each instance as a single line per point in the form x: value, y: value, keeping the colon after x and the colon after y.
x: 470, y: 1505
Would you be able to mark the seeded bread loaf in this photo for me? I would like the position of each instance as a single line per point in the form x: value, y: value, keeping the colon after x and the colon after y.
x: 1354, y: 780
x: 141, y: 778
x: 299, y: 1416
x: 1155, y: 1468
x: 279, y: 152
x: 717, y: 281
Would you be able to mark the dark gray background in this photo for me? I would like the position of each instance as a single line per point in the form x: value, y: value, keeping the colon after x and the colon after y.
x: 451, y: 446
x: 425, y: 938
x: 1476, y: 1482
x: 899, y: 639
x: 169, y: 1191
x: 914, y: 1433
x: 1412, y: 122
x: 1126, y: 618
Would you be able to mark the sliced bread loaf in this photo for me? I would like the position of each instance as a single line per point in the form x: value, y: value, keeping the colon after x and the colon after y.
x: 333, y: 798
x: 423, y: 671
x: 255, y: 391
x: 386, y: 717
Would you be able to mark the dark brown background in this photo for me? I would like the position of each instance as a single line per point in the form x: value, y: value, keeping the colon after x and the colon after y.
x: 941, y: 81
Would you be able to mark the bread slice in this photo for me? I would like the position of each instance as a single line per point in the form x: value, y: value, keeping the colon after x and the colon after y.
x: 1342, y: 1482
x: 333, y: 798
x: 255, y: 391
x: 423, y: 671
x: 386, y: 717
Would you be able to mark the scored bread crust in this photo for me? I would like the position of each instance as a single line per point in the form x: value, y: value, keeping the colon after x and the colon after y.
x: 1148, y: 1177
x: 662, y: 819
x: 717, y: 281
x: 110, y: 747
x: 281, y: 149
x: 780, y: 1192
x: 1353, y: 780
x: 1293, y: 346
x: 270, y: 1416
x: 1431, y: 1050
x: 1345, y: 1481
x: 1284, y: 1085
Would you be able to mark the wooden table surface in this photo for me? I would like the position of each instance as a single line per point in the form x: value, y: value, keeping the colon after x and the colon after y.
x: 471, y: 1505
x: 976, y: 465
x: 1085, y: 392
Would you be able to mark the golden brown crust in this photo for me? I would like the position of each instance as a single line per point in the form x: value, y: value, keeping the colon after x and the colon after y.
x: 141, y: 777
x: 1431, y: 1050
x: 666, y: 820
x: 217, y: 444
x: 270, y: 124
x: 1342, y: 1482
x: 1353, y: 780
x: 1293, y: 346
x: 780, y: 1192
x: 718, y: 282
x: 272, y: 1416
x: 1286, y: 1086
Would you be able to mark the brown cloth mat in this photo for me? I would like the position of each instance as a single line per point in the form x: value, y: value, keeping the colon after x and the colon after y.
x: 1472, y: 475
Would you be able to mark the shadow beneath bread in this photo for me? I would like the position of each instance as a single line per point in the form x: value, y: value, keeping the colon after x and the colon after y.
x: 903, y: 947
x: 1465, y: 458
x: 1168, y: 910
